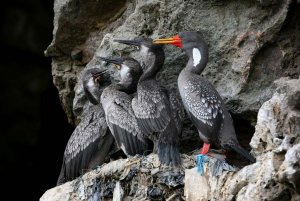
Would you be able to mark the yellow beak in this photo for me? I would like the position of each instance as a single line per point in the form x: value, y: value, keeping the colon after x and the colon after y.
x: 175, y: 40
x: 164, y: 41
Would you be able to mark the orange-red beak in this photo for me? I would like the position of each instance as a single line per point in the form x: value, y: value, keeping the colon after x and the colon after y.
x: 175, y: 40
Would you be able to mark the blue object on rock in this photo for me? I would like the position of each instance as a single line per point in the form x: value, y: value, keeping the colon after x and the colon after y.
x: 201, y: 158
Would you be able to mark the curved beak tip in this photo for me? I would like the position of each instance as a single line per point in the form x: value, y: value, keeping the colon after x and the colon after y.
x: 117, y: 61
x: 128, y: 42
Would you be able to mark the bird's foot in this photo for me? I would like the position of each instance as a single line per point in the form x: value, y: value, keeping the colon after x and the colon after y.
x: 218, y: 154
x: 205, y: 148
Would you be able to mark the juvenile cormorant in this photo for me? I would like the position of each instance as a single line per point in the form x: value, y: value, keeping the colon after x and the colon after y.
x: 91, y: 140
x: 116, y: 101
x: 157, y: 110
x: 202, y: 102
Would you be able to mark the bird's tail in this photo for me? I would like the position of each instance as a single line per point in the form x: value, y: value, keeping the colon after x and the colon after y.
x: 240, y: 150
x: 62, y: 177
x: 169, y: 154
x: 168, y: 146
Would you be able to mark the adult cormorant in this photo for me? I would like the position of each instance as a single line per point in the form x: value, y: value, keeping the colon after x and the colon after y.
x: 91, y: 140
x: 157, y: 111
x: 116, y: 101
x: 202, y: 102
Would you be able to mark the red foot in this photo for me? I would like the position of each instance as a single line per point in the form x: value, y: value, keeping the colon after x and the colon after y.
x: 205, y: 148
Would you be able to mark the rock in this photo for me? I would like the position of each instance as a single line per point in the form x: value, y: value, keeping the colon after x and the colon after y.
x: 277, y: 131
x: 115, y: 181
x: 236, y: 54
x: 289, y: 171
x: 118, y: 192
x: 278, y: 121
x: 62, y: 192
x: 253, y: 182
x: 196, y: 187
x: 242, y: 37
x: 251, y: 44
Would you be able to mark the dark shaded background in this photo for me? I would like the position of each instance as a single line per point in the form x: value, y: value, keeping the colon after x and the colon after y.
x: 34, y: 128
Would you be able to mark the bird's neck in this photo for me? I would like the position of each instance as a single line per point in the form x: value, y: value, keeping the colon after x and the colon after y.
x: 198, y: 56
x: 126, y: 86
x: 154, y: 62
x: 93, y: 95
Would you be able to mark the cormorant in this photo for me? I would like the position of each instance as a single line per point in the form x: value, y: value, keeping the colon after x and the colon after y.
x: 116, y: 101
x: 157, y: 110
x: 202, y: 102
x: 91, y: 140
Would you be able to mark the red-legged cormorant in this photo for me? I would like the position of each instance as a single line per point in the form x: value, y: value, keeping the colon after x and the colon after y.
x: 91, y: 140
x: 202, y: 102
x: 152, y: 107
x: 116, y: 101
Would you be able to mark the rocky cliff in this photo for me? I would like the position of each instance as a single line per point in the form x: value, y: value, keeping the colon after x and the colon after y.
x: 254, y: 62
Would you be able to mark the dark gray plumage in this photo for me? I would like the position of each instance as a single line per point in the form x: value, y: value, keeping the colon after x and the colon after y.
x: 177, y: 110
x: 152, y: 107
x: 91, y: 140
x: 116, y: 101
x: 202, y: 102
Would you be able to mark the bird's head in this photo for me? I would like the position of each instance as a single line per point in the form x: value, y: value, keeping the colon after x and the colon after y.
x: 145, y: 45
x: 193, y: 44
x: 130, y: 70
x: 92, y: 80
x: 149, y: 52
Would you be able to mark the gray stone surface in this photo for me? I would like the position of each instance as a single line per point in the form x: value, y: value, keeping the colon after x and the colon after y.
x: 278, y: 120
x: 289, y: 172
x: 136, y: 178
x: 275, y: 175
x: 251, y: 44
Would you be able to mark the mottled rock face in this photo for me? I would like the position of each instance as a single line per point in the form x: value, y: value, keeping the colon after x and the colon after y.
x: 251, y: 44
x: 134, y: 179
x: 275, y: 175
x: 278, y: 122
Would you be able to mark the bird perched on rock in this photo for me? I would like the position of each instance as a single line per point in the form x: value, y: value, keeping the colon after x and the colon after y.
x: 91, y: 140
x: 116, y: 100
x: 202, y: 102
x: 158, y: 111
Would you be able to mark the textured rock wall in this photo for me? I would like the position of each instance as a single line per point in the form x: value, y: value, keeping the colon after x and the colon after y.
x: 251, y: 44
x: 137, y: 178
x: 275, y: 176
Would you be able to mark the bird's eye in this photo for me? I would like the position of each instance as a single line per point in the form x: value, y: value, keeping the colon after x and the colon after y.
x: 97, y: 79
x: 118, y: 66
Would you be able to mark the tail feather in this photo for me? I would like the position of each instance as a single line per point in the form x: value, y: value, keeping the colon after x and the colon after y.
x: 62, y: 177
x: 168, y: 146
x: 169, y: 154
x: 240, y: 150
